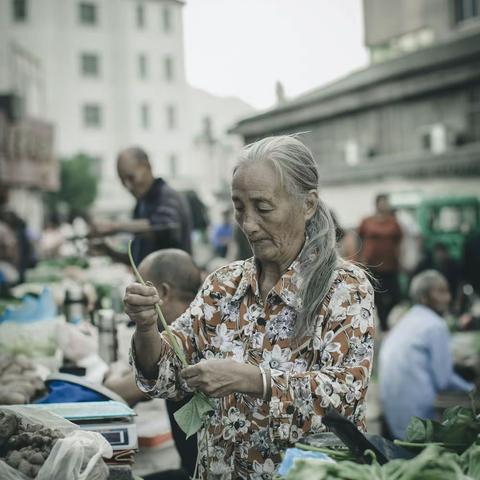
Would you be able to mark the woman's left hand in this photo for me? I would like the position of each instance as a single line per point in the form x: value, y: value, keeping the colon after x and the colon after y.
x: 221, y: 377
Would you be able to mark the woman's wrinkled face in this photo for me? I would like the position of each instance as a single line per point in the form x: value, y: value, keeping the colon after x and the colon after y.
x: 272, y: 219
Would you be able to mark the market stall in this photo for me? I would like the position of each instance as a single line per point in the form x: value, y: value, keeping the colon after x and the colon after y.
x: 59, y: 336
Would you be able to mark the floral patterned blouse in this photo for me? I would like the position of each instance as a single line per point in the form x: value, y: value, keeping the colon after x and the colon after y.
x: 229, y: 319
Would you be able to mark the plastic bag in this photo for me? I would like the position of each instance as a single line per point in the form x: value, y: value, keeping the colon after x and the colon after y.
x: 77, y: 341
x: 78, y: 456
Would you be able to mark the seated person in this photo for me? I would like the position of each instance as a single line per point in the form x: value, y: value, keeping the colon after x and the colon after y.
x: 415, y: 361
x: 177, y: 280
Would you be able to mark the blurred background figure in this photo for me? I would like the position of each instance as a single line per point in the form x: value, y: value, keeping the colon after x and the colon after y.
x: 471, y: 261
x: 177, y: 280
x: 415, y: 360
x: 239, y: 248
x: 8, y: 257
x: 349, y: 245
x: 381, y: 236
x: 222, y: 234
x: 199, y: 211
x: 161, y: 218
x: 411, y: 245
x: 24, y: 256
x: 441, y: 260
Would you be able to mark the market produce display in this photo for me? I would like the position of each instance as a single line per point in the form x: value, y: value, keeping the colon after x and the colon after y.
x: 447, y: 450
x: 433, y: 463
x: 460, y: 427
x: 25, y: 447
x: 19, y: 382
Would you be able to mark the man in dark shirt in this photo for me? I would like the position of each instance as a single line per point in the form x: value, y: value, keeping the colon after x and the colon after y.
x: 177, y: 280
x: 161, y: 218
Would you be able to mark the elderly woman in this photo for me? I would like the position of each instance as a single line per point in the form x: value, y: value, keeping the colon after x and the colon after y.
x: 275, y: 339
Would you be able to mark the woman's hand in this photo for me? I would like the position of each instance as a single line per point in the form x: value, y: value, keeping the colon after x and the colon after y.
x: 140, y: 303
x: 218, y: 378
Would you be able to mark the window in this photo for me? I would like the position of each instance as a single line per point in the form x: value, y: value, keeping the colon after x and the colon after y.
x: 474, y: 114
x: 466, y: 9
x: 90, y: 65
x: 92, y: 115
x: 140, y: 12
x: 168, y: 68
x: 87, y: 13
x: 171, y: 117
x: 19, y: 10
x: 167, y: 19
x: 145, y: 116
x: 142, y: 66
x: 172, y: 165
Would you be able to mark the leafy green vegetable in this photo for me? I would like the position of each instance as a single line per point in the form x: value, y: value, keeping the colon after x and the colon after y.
x: 191, y: 417
x: 459, y: 428
x: 434, y: 463
x: 334, y: 453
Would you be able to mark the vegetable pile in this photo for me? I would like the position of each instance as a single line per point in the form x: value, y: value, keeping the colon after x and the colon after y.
x: 19, y: 382
x: 449, y: 450
x: 25, y: 447
x: 460, y: 427
x: 434, y: 463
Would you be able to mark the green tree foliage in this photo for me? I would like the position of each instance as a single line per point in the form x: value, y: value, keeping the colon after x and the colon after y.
x: 78, y: 184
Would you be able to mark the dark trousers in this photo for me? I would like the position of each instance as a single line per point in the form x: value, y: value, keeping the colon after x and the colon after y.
x: 387, y: 294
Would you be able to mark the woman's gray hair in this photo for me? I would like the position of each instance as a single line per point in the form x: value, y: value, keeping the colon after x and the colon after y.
x: 422, y: 284
x: 298, y: 174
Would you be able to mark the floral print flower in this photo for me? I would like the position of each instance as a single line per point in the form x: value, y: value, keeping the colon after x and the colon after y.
x: 234, y: 423
x: 326, y: 346
x: 223, y: 341
x: 277, y: 358
x: 263, y: 471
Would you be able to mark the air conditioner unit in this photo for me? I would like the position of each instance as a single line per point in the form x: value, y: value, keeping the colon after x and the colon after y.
x: 351, y: 152
x: 435, y: 138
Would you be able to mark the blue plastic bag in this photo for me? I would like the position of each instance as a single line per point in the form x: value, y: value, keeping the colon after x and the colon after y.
x: 32, y: 309
x: 293, y: 453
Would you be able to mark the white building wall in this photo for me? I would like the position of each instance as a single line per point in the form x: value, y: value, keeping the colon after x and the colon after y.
x: 54, y: 35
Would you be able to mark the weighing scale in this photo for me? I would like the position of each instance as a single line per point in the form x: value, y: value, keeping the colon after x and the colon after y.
x: 114, y: 420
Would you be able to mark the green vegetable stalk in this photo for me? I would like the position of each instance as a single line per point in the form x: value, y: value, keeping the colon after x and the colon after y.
x: 173, y: 340
x: 194, y: 414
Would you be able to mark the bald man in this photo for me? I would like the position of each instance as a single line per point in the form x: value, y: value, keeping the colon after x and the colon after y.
x: 177, y: 279
x: 161, y: 218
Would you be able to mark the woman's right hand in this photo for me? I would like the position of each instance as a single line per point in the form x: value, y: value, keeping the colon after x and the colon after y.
x: 139, y: 301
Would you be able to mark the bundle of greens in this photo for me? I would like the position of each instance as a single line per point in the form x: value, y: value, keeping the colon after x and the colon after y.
x: 460, y: 428
x: 433, y: 463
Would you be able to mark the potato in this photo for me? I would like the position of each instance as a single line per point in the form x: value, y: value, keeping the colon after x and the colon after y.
x: 34, y: 470
x: 37, y: 440
x: 8, y: 426
x: 13, y: 368
x: 13, y: 458
x: 24, y: 467
x: 37, y: 459
x: 8, y: 397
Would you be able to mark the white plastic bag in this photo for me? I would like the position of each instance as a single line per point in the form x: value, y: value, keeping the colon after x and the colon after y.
x: 78, y: 456
x: 77, y: 341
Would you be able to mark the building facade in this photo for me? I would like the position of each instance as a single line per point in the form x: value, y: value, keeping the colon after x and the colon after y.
x: 408, y: 125
x: 107, y: 74
x: 395, y: 28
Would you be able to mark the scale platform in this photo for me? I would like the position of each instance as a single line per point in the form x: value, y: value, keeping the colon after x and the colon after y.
x: 114, y: 420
